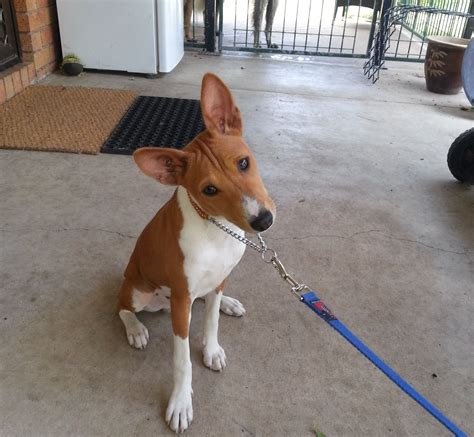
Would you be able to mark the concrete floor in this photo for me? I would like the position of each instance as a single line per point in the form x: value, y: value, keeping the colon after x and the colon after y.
x: 368, y: 214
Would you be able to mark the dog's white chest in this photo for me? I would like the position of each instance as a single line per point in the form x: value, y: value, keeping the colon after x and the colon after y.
x: 209, y: 253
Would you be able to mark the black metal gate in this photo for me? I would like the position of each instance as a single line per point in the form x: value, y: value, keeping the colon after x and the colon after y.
x: 9, y: 53
x: 424, y: 18
x: 301, y: 27
x: 321, y: 27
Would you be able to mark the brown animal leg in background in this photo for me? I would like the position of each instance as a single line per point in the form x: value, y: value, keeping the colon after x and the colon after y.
x: 258, y: 9
x: 188, y: 12
x: 269, y: 17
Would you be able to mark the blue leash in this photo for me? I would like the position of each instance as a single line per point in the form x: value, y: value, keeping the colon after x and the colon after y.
x: 312, y: 301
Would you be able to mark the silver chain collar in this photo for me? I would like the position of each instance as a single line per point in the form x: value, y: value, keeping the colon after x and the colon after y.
x: 260, y: 249
x: 269, y: 256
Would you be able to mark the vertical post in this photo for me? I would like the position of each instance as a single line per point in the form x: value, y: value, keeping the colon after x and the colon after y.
x: 376, y: 13
x: 469, y: 29
x: 210, y: 25
x: 220, y: 27
x: 384, y: 22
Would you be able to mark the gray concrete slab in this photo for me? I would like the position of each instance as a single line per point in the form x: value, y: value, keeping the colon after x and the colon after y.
x: 368, y: 214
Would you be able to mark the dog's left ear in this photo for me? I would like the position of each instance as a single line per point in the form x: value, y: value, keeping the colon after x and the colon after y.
x: 167, y: 166
x: 220, y: 114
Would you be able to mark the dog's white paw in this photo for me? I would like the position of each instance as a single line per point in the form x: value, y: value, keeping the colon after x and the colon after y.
x: 232, y: 306
x: 179, y: 413
x: 137, y: 333
x: 214, y: 358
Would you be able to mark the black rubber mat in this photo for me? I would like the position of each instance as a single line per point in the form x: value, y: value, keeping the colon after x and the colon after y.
x: 155, y: 122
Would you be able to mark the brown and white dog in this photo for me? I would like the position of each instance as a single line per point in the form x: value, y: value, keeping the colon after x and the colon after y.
x: 180, y: 255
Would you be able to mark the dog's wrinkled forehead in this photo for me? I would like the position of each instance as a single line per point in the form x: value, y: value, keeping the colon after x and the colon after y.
x: 221, y: 155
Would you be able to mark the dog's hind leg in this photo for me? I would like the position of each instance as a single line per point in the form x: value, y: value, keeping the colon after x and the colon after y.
x: 269, y: 17
x: 160, y: 300
x: 231, y: 306
x: 130, y: 302
x: 258, y: 9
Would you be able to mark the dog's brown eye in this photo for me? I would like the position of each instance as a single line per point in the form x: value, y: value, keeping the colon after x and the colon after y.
x: 210, y: 190
x: 244, y: 163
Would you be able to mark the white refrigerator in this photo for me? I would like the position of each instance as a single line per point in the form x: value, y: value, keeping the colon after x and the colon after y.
x: 138, y: 36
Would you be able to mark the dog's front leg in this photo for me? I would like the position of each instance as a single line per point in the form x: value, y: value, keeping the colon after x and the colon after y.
x: 179, y: 413
x: 213, y: 355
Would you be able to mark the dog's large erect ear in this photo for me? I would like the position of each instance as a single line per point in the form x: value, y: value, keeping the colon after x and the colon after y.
x: 167, y: 166
x: 218, y: 108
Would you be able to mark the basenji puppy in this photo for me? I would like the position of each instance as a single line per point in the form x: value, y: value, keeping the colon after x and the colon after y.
x: 180, y: 255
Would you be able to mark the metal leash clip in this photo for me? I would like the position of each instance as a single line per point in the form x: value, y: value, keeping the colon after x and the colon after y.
x: 296, y: 287
x: 268, y: 255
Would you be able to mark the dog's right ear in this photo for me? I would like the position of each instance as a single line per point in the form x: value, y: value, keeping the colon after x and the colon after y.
x: 221, y: 115
x: 167, y: 166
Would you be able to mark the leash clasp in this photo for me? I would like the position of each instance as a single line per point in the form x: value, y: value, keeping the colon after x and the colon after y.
x: 296, y: 287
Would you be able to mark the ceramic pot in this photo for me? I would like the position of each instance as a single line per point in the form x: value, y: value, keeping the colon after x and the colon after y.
x: 72, y: 68
x: 443, y: 64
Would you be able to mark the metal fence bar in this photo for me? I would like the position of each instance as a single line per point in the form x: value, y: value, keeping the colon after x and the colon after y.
x: 444, y: 21
x: 438, y: 22
x: 456, y: 27
x: 383, y: 28
x: 235, y: 22
x: 332, y: 32
x: 345, y: 24
x: 320, y: 24
x: 220, y: 27
x: 411, y: 36
x: 296, y: 22
x: 452, y: 23
x: 301, y: 33
x: 284, y: 23
x: 422, y: 45
x: 194, y: 21
x: 399, y: 39
x: 210, y: 25
x: 307, y: 26
x: 247, y: 23
x: 374, y: 13
x: 297, y: 52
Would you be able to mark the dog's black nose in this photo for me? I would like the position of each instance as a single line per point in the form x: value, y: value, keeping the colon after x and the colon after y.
x: 263, y: 221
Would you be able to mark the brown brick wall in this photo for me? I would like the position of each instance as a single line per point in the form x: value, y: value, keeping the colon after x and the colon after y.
x: 39, y: 36
x: 37, y: 24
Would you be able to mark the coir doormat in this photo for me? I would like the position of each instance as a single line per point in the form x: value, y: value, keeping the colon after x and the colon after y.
x: 62, y: 119
x: 156, y: 122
